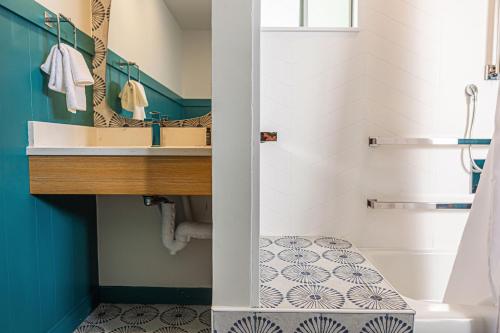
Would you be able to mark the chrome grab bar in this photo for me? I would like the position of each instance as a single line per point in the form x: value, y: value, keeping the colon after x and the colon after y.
x: 383, y: 141
x: 375, y: 204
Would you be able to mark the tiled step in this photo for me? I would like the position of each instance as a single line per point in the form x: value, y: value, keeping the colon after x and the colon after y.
x: 141, y: 318
x: 318, y: 285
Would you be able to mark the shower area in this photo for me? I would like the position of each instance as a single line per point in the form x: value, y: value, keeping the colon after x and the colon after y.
x: 383, y: 123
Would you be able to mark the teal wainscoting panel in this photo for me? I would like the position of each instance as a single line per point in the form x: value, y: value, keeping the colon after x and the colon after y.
x: 48, y: 261
x: 160, y: 98
x: 153, y: 295
x: 196, y: 107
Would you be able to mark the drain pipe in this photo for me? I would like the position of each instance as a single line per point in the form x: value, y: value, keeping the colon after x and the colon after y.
x: 176, y: 238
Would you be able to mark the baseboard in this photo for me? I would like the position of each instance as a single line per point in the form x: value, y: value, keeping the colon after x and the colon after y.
x: 76, y: 316
x: 154, y: 295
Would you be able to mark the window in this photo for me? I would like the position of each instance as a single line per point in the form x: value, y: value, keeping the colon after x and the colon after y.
x: 313, y: 14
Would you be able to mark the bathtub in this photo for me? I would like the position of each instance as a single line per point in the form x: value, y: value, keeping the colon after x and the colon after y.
x: 422, y: 278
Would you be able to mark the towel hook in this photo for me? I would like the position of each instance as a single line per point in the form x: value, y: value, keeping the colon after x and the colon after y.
x: 60, y: 18
x: 138, y: 73
x: 58, y: 32
x: 128, y: 64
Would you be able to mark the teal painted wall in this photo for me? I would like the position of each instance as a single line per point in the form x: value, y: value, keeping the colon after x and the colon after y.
x: 160, y: 98
x: 48, y: 261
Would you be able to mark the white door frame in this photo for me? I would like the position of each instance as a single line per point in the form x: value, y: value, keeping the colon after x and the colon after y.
x: 236, y: 141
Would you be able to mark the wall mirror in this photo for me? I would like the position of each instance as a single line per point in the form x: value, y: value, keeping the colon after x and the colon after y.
x: 309, y: 14
x: 163, y: 44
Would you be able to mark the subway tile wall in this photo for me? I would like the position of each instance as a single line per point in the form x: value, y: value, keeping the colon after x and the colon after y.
x: 403, y: 75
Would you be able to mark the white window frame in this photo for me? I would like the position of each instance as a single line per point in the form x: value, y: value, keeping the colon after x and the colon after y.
x: 304, y: 5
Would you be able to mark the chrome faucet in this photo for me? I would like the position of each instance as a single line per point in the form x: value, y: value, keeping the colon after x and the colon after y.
x: 155, y: 129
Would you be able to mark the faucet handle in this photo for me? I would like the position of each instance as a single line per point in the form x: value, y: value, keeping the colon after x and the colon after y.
x: 155, y: 115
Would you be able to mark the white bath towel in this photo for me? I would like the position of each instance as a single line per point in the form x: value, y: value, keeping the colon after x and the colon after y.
x: 134, y: 99
x: 79, y: 68
x: 69, y: 74
x: 75, y: 95
x: 53, y: 67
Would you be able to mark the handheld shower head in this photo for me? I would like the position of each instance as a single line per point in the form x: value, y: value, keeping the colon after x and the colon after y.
x: 471, y: 90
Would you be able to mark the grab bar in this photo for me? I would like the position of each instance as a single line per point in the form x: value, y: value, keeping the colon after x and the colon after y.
x: 383, y: 141
x: 376, y: 204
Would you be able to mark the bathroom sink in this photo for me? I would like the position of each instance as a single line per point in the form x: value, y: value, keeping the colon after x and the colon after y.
x: 60, y: 139
x: 69, y: 159
x: 141, y: 137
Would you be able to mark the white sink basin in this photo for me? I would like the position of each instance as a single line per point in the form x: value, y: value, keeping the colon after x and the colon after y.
x: 59, y: 139
x: 142, y: 137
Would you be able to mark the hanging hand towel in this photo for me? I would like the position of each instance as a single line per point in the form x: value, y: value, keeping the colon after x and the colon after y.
x: 127, y: 96
x: 142, y: 101
x: 53, y: 67
x: 134, y: 99
x: 75, y: 95
x: 79, y: 68
x: 69, y: 74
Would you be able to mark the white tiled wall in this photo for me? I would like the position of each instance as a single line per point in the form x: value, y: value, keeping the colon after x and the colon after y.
x: 402, y: 75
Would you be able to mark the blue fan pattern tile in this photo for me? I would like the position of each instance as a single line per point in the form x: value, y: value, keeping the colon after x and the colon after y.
x: 170, y: 329
x: 357, y: 274
x: 311, y: 322
x: 255, y: 324
x: 295, y: 267
x: 376, y: 298
x: 265, y: 242
x: 270, y: 297
x: 386, y: 324
x: 104, y: 313
x: 205, y: 330
x: 333, y: 243
x: 344, y: 257
x: 321, y: 325
x: 265, y: 256
x: 206, y: 317
x: 298, y: 256
x: 140, y: 318
x: 293, y: 242
x: 89, y: 329
x: 139, y: 315
x: 178, y: 315
x: 267, y: 273
x: 305, y: 274
x: 315, y: 297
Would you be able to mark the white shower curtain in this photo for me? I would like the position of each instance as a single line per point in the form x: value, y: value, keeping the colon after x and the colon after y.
x: 475, y: 279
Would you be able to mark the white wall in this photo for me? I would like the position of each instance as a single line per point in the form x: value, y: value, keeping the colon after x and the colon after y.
x: 131, y: 252
x: 402, y: 75
x: 78, y: 10
x: 146, y: 32
x: 197, y: 64
x: 130, y: 249
x: 235, y: 152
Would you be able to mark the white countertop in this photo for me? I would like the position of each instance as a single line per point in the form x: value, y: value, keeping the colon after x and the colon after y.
x: 120, y: 151
x: 50, y: 139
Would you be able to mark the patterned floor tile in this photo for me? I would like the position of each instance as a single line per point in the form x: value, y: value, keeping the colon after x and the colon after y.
x: 142, y: 318
x: 322, y: 273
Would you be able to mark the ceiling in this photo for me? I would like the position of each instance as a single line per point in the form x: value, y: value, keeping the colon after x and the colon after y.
x: 191, y: 14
